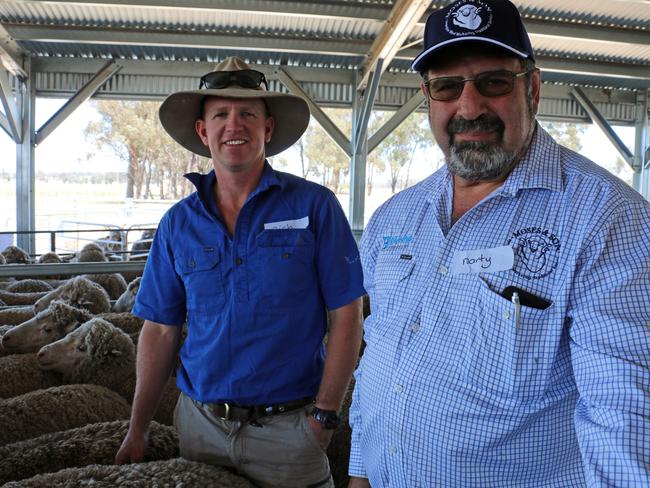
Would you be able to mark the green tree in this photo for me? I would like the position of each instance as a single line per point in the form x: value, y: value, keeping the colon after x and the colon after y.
x: 398, y: 150
x: 132, y: 131
x: 567, y: 134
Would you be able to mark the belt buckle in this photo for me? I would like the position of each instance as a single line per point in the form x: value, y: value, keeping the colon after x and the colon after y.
x: 226, y: 415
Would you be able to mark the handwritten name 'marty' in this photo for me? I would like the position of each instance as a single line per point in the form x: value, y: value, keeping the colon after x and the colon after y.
x: 484, y: 261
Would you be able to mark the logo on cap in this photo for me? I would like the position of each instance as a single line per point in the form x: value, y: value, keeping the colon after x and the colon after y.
x: 469, y: 17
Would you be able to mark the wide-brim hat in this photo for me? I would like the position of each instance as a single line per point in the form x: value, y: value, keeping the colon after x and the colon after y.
x: 494, y: 22
x: 179, y: 111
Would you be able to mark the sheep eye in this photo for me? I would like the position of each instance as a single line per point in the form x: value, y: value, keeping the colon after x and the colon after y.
x: 47, y: 330
x: 81, y: 347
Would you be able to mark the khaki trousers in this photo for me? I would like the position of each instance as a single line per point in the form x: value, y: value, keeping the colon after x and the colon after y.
x: 283, y: 452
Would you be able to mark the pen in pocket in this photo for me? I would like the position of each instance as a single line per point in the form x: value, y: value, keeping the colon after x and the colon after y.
x: 517, y: 305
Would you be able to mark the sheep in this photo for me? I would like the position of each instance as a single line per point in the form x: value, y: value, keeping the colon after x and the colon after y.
x: 21, y: 374
x: 171, y: 472
x: 91, y: 444
x: 102, y: 354
x: 140, y: 248
x: 49, y: 258
x: 3, y: 260
x: 113, y: 283
x: 16, y: 315
x: 58, y: 408
x: 126, y: 301
x: 129, y: 323
x: 16, y: 255
x: 50, y: 325
x: 14, y: 298
x: 29, y: 286
x: 90, y: 254
x: 79, y: 292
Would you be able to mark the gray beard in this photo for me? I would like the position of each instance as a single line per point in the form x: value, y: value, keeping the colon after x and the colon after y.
x: 480, y: 161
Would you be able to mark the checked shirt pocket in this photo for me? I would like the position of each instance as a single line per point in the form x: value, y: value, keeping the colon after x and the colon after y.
x: 512, y: 361
x: 392, y: 274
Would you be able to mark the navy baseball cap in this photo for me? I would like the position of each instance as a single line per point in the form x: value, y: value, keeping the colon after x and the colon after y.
x: 495, y: 22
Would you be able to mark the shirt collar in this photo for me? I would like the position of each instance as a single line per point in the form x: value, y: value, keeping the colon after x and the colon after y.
x: 204, y: 183
x: 540, y: 166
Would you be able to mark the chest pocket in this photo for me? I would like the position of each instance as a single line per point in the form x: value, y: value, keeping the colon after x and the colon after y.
x: 508, y: 359
x: 286, y: 261
x: 391, y: 278
x: 200, y: 270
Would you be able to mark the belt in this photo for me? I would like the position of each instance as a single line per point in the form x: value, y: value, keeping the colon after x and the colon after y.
x: 250, y: 413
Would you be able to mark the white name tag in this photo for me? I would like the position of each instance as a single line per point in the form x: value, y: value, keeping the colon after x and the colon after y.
x: 288, y: 224
x: 483, y: 260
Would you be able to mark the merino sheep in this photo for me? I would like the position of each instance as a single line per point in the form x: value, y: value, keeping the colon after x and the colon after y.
x: 90, y: 254
x: 49, y: 258
x: 16, y: 315
x: 58, y: 408
x: 29, y: 286
x: 92, y: 444
x: 79, y: 292
x: 129, y: 323
x: 140, y: 248
x: 16, y: 298
x: 16, y: 255
x: 113, y: 283
x: 102, y: 354
x: 172, y: 472
x: 21, y: 374
x: 126, y: 301
x: 50, y: 325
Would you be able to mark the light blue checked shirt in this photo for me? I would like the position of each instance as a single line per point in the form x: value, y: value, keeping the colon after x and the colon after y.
x: 458, y: 388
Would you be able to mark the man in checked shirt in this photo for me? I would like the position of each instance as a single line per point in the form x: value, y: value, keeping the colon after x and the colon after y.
x: 509, y: 340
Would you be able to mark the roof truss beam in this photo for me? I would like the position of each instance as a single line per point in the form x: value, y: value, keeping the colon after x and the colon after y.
x: 84, y: 93
x: 11, y: 120
x: 400, y: 23
x: 11, y: 54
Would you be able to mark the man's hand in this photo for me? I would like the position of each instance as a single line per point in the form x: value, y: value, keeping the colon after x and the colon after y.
x: 323, y: 435
x: 133, y: 449
x: 358, y: 483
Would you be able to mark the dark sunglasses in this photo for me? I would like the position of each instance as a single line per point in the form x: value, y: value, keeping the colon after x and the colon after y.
x: 245, y: 78
x: 488, y: 84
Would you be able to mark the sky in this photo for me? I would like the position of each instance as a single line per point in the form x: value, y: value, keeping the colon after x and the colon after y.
x: 66, y: 150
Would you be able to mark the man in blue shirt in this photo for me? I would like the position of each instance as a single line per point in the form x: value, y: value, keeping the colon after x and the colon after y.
x: 253, y: 262
x: 509, y: 340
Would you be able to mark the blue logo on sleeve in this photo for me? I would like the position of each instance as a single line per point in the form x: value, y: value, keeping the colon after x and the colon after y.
x: 390, y: 241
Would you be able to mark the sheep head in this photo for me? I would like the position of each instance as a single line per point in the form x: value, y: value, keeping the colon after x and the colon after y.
x: 96, y: 352
x: 79, y: 292
x: 46, y: 327
x: 127, y: 299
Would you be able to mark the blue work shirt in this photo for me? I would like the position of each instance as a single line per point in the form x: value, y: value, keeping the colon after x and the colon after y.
x: 256, y: 302
x: 460, y: 386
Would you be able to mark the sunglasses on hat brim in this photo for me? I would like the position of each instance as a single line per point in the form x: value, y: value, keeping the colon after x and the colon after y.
x: 245, y: 78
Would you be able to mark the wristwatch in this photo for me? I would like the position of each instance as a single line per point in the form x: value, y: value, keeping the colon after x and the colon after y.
x: 329, y: 419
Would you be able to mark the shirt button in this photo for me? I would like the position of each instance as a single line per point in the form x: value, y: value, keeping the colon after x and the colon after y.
x: 415, y: 327
x: 443, y: 270
x: 392, y: 449
x: 238, y: 261
x: 506, y: 314
x: 192, y: 264
x: 398, y: 388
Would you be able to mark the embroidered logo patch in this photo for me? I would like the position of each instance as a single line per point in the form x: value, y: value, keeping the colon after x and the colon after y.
x: 470, y: 17
x: 537, y: 252
x: 390, y: 241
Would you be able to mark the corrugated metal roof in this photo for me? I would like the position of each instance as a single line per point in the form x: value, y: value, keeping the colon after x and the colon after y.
x: 597, y: 42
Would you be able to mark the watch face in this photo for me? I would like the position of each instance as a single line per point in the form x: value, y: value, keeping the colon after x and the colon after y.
x: 327, y: 418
